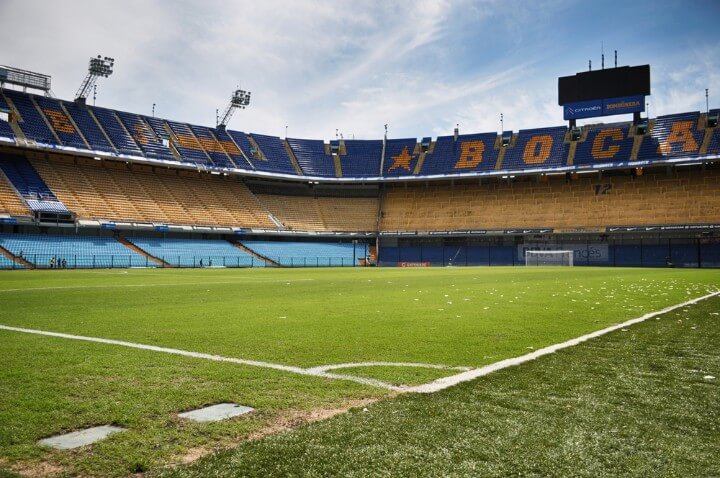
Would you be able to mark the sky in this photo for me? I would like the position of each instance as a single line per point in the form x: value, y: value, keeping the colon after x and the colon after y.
x: 350, y: 67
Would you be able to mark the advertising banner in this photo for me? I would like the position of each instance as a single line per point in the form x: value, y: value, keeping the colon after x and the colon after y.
x: 608, y: 107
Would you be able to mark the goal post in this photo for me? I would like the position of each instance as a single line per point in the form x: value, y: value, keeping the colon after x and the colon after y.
x: 549, y: 258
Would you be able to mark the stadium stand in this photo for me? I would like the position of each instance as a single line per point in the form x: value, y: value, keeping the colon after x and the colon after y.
x: 116, y: 193
x: 604, y: 143
x: 312, y: 254
x: 400, y: 157
x: 6, y: 263
x: 197, y: 252
x: 6, y: 130
x: 682, y: 197
x: 543, y: 147
x: 24, y: 178
x: 212, y: 147
x: 124, y: 143
x: 242, y: 141
x: 32, y: 125
x: 672, y: 135
x: 362, y: 158
x: 89, y: 127
x: 61, y: 124
x: 77, y: 251
x: 232, y: 149
x: 471, y: 152
x: 311, y: 156
x: 10, y: 202
x: 277, y: 157
x: 187, y: 144
x: 145, y: 137
x: 299, y: 213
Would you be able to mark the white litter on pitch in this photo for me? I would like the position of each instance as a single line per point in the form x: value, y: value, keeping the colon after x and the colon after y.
x: 215, y: 413
x: 80, y: 438
x: 447, y: 382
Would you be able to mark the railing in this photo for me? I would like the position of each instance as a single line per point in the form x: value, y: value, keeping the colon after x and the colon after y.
x: 125, y: 261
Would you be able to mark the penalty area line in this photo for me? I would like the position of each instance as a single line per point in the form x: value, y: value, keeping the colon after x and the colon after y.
x: 451, y: 381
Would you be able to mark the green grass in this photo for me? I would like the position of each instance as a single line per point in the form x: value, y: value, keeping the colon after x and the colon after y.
x: 306, y: 318
x: 630, y: 403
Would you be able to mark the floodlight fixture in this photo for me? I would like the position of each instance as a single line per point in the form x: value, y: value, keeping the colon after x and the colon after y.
x: 240, y: 99
x: 98, y: 67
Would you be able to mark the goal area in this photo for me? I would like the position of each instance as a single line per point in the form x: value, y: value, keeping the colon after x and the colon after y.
x: 549, y: 258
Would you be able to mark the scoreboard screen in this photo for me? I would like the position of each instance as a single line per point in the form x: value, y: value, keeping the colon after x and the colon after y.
x: 603, y: 84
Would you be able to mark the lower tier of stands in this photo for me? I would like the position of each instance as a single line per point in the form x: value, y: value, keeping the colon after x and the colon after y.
x: 678, y: 197
x: 197, y: 252
x: 55, y: 251
x: 72, y: 251
x: 302, y: 254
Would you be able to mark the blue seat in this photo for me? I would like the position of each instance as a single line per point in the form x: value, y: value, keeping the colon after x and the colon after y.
x: 89, y: 127
x: 145, y: 137
x: 25, y: 179
x: 60, y: 122
x: 190, y: 252
x: 400, y: 159
x: 531, y: 145
x: 362, y: 158
x: 109, y: 121
x: 310, y: 155
x: 77, y: 251
x: 278, y: 160
x: 309, y: 254
x: 32, y: 125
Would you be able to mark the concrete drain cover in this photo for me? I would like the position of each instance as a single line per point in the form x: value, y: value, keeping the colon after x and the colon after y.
x: 215, y: 413
x: 80, y: 438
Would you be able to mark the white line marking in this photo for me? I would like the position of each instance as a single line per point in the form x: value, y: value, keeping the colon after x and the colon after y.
x: 325, y: 368
x: 447, y: 382
x: 178, y: 284
x: 200, y: 355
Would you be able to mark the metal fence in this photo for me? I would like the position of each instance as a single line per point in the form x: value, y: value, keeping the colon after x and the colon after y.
x: 125, y: 261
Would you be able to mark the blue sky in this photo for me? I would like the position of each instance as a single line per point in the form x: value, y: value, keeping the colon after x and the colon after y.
x: 420, y: 66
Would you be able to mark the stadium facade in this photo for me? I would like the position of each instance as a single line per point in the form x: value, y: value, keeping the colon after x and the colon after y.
x: 94, y: 187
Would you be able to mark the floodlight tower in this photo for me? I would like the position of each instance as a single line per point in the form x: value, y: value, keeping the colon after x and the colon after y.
x: 98, y: 67
x: 240, y: 99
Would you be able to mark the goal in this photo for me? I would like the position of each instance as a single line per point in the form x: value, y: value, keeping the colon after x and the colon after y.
x: 549, y: 258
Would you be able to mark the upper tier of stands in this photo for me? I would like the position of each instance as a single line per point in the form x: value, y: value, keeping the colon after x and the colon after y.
x: 471, y: 152
x: 301, y: 254
x: 76, y: 251
x: 310, y: 154
x: 65, y: 124
x: 197, y: 252
x: 604, y: 142
x: 275, y: 157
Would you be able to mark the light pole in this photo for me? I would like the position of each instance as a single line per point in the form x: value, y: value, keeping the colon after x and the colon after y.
x: 153, y: 110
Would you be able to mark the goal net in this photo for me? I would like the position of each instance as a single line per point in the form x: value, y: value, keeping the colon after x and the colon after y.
x: 549, y: 258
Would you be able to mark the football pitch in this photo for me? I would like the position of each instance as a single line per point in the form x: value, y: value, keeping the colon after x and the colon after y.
x: 133, y: 348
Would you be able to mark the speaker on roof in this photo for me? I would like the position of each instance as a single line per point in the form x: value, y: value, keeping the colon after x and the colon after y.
x: 642, y: 127
x: 575, y: 134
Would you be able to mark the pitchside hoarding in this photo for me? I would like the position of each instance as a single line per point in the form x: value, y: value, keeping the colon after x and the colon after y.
x: 613, y: 106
